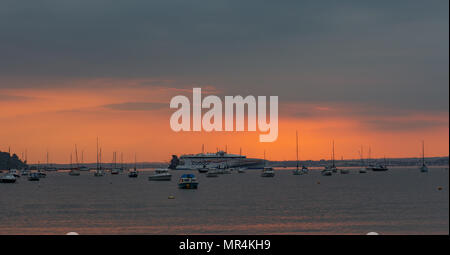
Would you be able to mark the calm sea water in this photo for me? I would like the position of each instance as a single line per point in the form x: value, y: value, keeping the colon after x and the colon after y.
x: 400, y: 201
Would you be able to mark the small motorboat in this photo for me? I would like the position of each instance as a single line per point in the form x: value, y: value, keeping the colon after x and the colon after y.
x: 203, y: 169
x: 241, y: 170
x: 161, y: 174
x: 303, y: 170
x: 34, y: 177
x: 188, y: 181
x: 379, y: 168
x: 268, y: 172
x: 115, y: 171
x: 362, y: 170
x: 84, y: 168
x: 327, y: 171
x: 133, y: 173
x: 24, y: 172
x: 41, y: 174
x: 99, y: 172
x: 8, y: 178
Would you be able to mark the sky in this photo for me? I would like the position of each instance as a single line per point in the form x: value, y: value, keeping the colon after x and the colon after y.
x: 370, y: 73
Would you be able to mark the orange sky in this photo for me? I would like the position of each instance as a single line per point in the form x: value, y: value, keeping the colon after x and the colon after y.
x: 55, y: 119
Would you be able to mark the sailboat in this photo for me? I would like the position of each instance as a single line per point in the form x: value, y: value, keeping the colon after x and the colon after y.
x: 114, y: 168
x: 329, y: 170
x: 133, y: 173
x: 362, y: 170
x: 304, y: 169
x: 99, y: 171
x: 74, y: 171
x: 423, y: 168
x: 267, y: 171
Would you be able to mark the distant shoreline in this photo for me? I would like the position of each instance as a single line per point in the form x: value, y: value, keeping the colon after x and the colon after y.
x: 431, y: 161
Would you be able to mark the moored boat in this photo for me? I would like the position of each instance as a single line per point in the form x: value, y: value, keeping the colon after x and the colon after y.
x: 161, y: 174
x: 188, y: 181
x: 8, y: 178
x: 424, y: 167
x: 268, y: 172
x: 133, y: 173
x: 34, y: 177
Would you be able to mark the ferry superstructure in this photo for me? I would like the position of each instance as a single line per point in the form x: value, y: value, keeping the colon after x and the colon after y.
x: 219, y: 159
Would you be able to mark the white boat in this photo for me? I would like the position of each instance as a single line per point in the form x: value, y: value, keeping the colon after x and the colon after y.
x: 362, y: 170
x: 241, y: 170
x: 268, y: 172
x: 8, y: 178
x: 115, y: 171
x: 161, y: 174
x: 379, y: 168
x: 24, y: 172
x: 424, y: 167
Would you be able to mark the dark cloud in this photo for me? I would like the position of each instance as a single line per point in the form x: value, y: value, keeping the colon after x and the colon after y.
x: 137, y: 106
x: 392, y: 53
x: 13, y: 98
x: 404, y: 125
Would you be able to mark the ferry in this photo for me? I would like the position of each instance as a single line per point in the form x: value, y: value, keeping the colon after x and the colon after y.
x: 220, y: 159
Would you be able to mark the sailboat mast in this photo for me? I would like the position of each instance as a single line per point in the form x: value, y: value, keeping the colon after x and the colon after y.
x: 333, y: 155
x: 264, y: 157
x: 76, y: 155
x: 423, y: 153
x: 296, y: 145
x: 97, y: 154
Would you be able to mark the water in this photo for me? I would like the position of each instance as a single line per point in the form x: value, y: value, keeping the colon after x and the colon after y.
x: 400, y: 201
